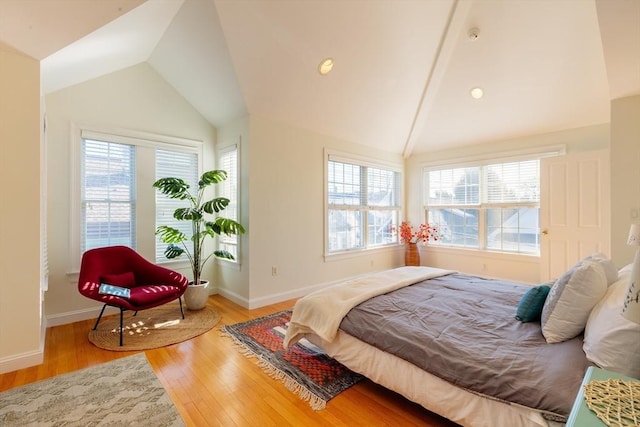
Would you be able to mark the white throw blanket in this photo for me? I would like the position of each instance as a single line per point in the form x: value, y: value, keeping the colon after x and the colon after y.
x: 322, y: 311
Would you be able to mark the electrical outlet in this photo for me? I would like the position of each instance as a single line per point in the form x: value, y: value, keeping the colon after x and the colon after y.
x: 274, y: 271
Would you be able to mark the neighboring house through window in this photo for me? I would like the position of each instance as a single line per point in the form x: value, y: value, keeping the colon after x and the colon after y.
x: 490, y: 205
x: 363, y: 204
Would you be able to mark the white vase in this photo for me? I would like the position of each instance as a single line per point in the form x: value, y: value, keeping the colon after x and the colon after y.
x: 196, y: 296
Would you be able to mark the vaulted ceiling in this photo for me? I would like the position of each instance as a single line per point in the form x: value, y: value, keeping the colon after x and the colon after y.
x: 403, y: 68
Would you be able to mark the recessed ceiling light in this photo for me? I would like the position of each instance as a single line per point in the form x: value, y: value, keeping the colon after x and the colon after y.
x: 325, y: 66
x: 473, y: 34
x: 476, y: 92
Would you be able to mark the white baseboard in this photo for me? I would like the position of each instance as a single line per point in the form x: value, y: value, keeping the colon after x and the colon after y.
x: 78, y: 315
x: 232, y: 296
x: 21, y: 361
x: 252, y: 303
x: 284, y: 296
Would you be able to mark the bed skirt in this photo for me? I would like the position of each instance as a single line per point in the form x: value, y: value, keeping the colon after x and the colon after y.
x: 436, y: 395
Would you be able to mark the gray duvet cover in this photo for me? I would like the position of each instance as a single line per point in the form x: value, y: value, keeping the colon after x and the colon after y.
x: 463, y: 330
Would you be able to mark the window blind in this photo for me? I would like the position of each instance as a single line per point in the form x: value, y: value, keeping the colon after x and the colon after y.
x: 228, y: 161
x: 107, y: 194
x: 513, y: 182
x: 178, y: 164
x: 459, y: 186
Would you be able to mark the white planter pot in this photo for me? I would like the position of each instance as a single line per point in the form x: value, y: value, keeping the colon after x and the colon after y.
x: 196, y: 296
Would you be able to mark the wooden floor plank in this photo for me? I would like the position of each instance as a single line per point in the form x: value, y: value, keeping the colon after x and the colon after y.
x: 213, y: 384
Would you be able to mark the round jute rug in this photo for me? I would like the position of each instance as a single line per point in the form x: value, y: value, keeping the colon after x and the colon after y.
x: 153, y: 328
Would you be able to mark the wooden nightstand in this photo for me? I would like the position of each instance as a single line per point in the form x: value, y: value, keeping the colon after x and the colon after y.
x: 581, y: 415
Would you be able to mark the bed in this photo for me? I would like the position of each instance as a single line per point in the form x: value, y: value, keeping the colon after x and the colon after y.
x: 449, y: 342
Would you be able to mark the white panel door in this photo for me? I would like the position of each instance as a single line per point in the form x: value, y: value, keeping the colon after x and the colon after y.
x: 574, y: 210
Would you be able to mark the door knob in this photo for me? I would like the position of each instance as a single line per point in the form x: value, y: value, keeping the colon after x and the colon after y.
x: 545, y: 232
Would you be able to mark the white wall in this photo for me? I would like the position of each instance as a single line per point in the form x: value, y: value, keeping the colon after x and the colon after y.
x: 284, y: 168
x: 21, y: 336
x: 135, y: 98
x: 625, y: 176
x: 521, y: 268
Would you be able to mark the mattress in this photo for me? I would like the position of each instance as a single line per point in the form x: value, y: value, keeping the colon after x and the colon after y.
x: 461, y: 406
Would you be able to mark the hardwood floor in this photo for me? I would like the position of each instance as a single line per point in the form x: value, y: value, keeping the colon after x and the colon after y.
x: 212, y: 384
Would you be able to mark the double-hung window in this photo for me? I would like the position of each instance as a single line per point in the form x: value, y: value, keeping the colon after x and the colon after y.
x: 108, y: 200
x: 491, y: 206
x: 228, y: 161
x: 113, y: 198
x: 363, y: 204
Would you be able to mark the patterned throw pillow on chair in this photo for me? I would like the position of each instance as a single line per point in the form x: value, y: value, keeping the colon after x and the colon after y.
x: 124, y: 280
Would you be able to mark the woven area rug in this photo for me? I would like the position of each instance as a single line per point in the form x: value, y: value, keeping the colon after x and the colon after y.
x: 304, y: 368
x: 125, y: 392
x: 153, y: 328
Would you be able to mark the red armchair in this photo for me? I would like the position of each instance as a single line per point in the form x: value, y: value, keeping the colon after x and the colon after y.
x: 150, y: 285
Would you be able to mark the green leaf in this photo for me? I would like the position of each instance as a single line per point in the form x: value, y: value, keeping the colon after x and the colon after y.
x: 215, y: 205
x: 173, y: 251
x: 187, y: 214
x: 210, y: 229
x: 175, y: 188
x: 170, y: 235
x: 224, y: 254
x: 228, y: 226
x: 212, y: 177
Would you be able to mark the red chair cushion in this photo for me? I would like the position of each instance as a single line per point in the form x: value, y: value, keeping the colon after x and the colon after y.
x: 145, y: 295
x: 125, y: 280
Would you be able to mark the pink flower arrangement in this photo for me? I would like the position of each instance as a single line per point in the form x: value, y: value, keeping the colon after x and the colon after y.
x: 425, y: 233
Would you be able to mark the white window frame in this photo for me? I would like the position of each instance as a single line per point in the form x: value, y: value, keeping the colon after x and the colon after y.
x: 144, y: 142
x: 481, y: 162
x: 343, y: 157
x: 233, y: 179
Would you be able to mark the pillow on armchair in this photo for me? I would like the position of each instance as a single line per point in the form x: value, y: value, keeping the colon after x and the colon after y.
x: 123, y: 280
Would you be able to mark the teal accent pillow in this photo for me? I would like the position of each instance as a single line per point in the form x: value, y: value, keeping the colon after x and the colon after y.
x: 530, y: 306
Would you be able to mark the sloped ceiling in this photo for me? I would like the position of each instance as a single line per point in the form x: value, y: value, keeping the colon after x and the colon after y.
x: 403, y: 68
x: 40, y: 27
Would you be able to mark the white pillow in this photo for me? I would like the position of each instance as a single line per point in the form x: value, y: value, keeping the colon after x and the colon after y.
x: 572, y: 296
x: 611, y: 341
x: 607, y: 265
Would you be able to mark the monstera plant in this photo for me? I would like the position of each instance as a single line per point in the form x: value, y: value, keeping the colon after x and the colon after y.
x: 205, y: 221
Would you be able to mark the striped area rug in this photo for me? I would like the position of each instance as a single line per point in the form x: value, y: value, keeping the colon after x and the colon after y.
x: 303, y: 368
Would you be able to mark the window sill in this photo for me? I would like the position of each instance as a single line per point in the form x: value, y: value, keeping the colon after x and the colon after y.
x: 359, y: 253
x: 507, y: 256
x: 231, y: 265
